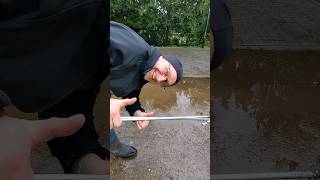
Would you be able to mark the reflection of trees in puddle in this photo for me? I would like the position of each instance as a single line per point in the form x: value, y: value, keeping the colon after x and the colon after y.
x: 185, y: 98
x: 183, y: 105
x: 276, y: 88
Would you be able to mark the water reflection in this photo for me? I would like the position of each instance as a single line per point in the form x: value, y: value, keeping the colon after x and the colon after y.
x: 267, y: 112
x: 190, y: 97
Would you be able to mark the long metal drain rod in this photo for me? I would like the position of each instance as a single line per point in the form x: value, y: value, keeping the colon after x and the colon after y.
x: 273, y: 175
x: 153, y: 118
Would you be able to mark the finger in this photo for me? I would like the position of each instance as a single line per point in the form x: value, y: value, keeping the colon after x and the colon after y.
x: 126, y: 102
x: 48, y: 129
x: 24, y: 171
x: 139, y: 125
x: 116, y: 120
x: 142, y: 124
x: 145, y: 124
x: 149, y: 113
x: 111, y: 122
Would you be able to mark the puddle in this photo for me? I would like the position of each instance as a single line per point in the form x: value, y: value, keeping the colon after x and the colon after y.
x: 267, y: 118
x: 190, y: 97
x: 169, y: 149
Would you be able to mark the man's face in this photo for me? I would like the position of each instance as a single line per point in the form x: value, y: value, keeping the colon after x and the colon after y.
x: 162, y: 73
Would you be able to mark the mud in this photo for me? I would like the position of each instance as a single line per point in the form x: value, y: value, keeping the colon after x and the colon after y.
x: 266, y: 105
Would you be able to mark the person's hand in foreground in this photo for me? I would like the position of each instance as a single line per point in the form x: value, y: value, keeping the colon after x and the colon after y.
x: 19, y: 136
x: 145, y: 123
x: 115, y: 108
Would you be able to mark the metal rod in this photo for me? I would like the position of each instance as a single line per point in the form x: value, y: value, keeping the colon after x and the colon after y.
x: 138, y: 118
x: 274, y: 175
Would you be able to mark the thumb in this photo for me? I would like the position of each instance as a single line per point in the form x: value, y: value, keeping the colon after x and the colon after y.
x: 148, y: 113
x: 45, y: 130
x: 126, y: 102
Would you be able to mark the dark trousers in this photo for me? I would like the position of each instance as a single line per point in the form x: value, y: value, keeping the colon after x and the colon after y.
x: 70, y: 149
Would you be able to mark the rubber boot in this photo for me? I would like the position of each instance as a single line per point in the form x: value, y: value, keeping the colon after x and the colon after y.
x: 119, y: 149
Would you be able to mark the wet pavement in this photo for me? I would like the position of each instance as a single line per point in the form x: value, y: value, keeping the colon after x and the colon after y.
x: 275, y: 24
x: 267, y: 115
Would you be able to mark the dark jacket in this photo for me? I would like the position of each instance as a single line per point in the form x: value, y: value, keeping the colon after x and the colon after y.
x: 49, y: 50
x: 130, y: 58
x: 221, y: 26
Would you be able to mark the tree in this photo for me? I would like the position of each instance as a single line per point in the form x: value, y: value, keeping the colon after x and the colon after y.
x: 164, y: 22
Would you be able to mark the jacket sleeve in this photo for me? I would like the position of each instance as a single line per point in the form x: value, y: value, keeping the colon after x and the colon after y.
x: 136, y: 106
x: 4, y: 101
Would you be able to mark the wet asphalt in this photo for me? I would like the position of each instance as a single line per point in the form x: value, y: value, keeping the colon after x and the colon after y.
x: 267, y: 118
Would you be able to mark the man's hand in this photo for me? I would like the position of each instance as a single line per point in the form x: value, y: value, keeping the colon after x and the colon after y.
x: 143, y: 124
x: 19, y: 136
x: 115, y: 107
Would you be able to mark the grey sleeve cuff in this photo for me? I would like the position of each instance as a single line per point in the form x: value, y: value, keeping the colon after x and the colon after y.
x: 111, y: 93
x: 4, y: 100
